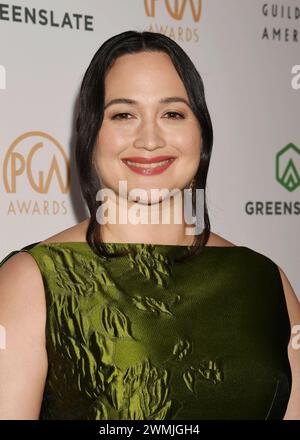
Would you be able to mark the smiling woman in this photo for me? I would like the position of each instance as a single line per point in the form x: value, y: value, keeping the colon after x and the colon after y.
x: 124, y: 320
x: 156, y: 113
x: 152, y: 125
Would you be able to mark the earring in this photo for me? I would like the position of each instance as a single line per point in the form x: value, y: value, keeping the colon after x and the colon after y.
x: 191, y: 187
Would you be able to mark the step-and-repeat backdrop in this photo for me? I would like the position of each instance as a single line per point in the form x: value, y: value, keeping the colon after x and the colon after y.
x: 248, y: 53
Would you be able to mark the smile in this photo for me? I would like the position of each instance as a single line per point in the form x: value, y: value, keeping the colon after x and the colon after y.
x: 149, y: 168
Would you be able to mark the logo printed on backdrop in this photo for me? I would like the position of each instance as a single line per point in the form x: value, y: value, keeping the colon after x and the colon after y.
x: 178, y: 10
x: 288, y: 167
x: 2, y: 78
x: 276, y: 14
x: 287, y: 174
x: 44, y: 17
x: 36, y: 163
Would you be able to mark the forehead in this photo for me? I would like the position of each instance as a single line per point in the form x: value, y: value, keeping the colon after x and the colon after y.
x: 145, y: 73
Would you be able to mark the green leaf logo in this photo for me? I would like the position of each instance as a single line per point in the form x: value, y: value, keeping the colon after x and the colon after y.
x: 288, y: 167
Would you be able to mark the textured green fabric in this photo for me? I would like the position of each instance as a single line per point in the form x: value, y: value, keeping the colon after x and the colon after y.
x: 145, y: 337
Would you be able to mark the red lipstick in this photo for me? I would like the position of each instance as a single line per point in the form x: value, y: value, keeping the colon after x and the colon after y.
x: 146, y: 166
x: 140, y: 159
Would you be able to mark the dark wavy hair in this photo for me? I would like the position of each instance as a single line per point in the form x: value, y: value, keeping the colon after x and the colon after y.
x: 90, y: 116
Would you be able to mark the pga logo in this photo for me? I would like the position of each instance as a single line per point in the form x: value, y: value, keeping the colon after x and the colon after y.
x: 296, y: 78
x: 2, y: 78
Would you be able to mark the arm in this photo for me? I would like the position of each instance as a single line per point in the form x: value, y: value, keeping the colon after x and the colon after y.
x: 293, y: 305
x: 23, y: 357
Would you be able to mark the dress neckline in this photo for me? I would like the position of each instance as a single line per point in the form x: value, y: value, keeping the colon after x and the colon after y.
x: 149, y: 245
x: 142, y: 250
x: 169, y: 249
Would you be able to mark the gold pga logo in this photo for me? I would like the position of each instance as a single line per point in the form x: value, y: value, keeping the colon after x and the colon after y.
x: 35, y: 163
x: 25, y: 157
x: 175, y: 9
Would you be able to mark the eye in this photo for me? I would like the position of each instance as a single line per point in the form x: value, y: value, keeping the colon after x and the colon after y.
x: 175, y: 113
x: 120, y: 114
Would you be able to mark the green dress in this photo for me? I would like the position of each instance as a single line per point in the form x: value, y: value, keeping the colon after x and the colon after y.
x: 143, y: 336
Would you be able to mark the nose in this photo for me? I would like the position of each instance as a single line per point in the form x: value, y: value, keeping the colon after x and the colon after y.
x: 149, y: 136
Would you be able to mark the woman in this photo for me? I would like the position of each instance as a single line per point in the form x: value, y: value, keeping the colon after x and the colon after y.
x: 144, y: 321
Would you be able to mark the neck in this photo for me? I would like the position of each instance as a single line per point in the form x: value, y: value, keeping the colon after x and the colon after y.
x: 162, y: 222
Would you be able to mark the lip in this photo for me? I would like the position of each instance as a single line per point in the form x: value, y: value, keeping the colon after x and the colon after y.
x: 149, y: 171
x: 140, y: 159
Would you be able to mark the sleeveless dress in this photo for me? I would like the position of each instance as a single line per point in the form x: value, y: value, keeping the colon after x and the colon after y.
x: 145, y: 337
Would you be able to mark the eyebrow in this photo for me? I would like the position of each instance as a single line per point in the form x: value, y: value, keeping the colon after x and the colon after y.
x: 166, y: 100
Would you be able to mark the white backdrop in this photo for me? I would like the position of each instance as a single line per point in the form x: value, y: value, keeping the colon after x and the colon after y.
x: 248, y: 53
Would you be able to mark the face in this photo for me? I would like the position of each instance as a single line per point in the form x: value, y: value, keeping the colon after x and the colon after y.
x: 147, y: 127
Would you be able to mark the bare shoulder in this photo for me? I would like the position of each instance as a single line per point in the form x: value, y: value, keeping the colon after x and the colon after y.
x: 218, y: 241
x: 74, y: 233
x: 293, y: 306
x: 22, y: 295
x: 23, y: 362
x: 22, y: 290
x: 21, y: 267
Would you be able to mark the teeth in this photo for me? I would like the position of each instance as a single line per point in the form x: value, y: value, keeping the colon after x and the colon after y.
x: 148, y: 165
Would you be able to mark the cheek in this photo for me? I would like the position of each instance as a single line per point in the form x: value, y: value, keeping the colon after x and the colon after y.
x: 108, y: 149
x: 186, y: 136
x: 191, y: 151
x: 195, y: 142
x: 109, y: 145
x: 190, y: 144
x: 193, y: 148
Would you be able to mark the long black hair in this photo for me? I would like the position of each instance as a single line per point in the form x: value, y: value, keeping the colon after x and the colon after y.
x: 90, y: 116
